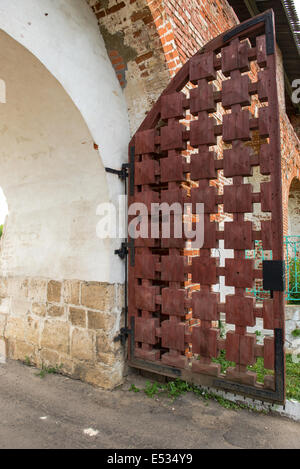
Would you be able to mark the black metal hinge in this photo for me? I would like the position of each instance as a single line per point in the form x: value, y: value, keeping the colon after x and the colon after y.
x: 122, y: 336
x: 123, y: 251
x: 127, y: 169
x: 122, y: 173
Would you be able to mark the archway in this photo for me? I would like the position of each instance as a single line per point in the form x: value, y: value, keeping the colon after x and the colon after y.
x: 51, y: 174
x: 3, y: 211
x: 61, y: 286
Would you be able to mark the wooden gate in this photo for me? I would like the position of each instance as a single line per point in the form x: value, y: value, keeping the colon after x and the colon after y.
x: 216, y: 123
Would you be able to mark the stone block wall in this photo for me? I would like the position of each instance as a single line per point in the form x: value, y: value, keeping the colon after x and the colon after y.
x: 70, y: 324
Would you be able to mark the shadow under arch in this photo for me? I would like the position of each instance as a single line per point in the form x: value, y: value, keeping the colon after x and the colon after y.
x: 51, y: 174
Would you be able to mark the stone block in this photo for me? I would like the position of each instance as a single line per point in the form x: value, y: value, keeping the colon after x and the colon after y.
x: 15, y: 328
x: 37, y: 289
x: 55, y: 336
x: 20, y: 307
x: 55, y: 310
x: 17, y: 287
x: 32, y: 330
x: 97, y: 295
x: 48, y: 357
x: 99, y: 320
x: 66, y: 365
x: 54, y: 291
x: 3, y: 286
x: 3, y: 351
x: 3, y: 319
x: 119, y: 297
x: 77, y: 316
x: 39, y: 309
x: 22, y: 351
x: 107, y: 358
x: 71, y: 292
x: 105, y: 343
x: 100, y: 376
x: 82, y: 345
x: 5, y: 305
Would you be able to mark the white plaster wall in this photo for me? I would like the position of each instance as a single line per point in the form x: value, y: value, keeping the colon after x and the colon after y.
x: 54, y: 181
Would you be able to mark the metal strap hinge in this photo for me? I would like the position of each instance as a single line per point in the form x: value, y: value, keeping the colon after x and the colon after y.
x: 127, y: 170
x: 123, y: 251
x: 122, y: 173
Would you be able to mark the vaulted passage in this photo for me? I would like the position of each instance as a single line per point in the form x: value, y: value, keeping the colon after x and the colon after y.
x: 50, y: 172
x: 60, y: 285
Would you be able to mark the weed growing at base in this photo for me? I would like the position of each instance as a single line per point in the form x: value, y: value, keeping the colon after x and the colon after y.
x: 49, y: 370
x: 174, y: 389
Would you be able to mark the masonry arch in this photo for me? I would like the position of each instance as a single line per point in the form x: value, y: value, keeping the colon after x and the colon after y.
x: 64, y: 120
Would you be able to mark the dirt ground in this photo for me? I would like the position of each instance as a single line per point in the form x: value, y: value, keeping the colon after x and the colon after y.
x: 58, y: 412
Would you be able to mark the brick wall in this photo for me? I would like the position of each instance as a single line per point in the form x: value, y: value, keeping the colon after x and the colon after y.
x: 290, y: 145
x: 136, y: 52
x: 149, y: 40
x: 187, y: 25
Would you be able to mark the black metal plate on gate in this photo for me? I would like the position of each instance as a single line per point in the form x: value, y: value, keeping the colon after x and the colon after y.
x: 274, y: 275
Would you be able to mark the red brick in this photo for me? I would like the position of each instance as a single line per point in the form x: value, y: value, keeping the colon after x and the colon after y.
x: 115, y: 8
x: 144, y: 57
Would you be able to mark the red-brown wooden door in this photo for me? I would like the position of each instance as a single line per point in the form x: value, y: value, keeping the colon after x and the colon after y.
x: 215, y: 125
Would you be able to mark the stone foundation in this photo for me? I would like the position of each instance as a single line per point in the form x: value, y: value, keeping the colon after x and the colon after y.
x: 70, y: 324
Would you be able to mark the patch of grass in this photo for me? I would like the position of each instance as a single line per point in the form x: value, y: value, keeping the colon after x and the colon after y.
x: 222, y: 361
x: 260, y: 370
x: 176, y: 388
x: 49, y: 370
x: 292, y: 378
x: 151, y: 389
x: 134, y: 388
x: 292, y: 373
x: 221, y: 327
x: 296, y: 333
x: 173, y: 389
x: 27, y: 361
